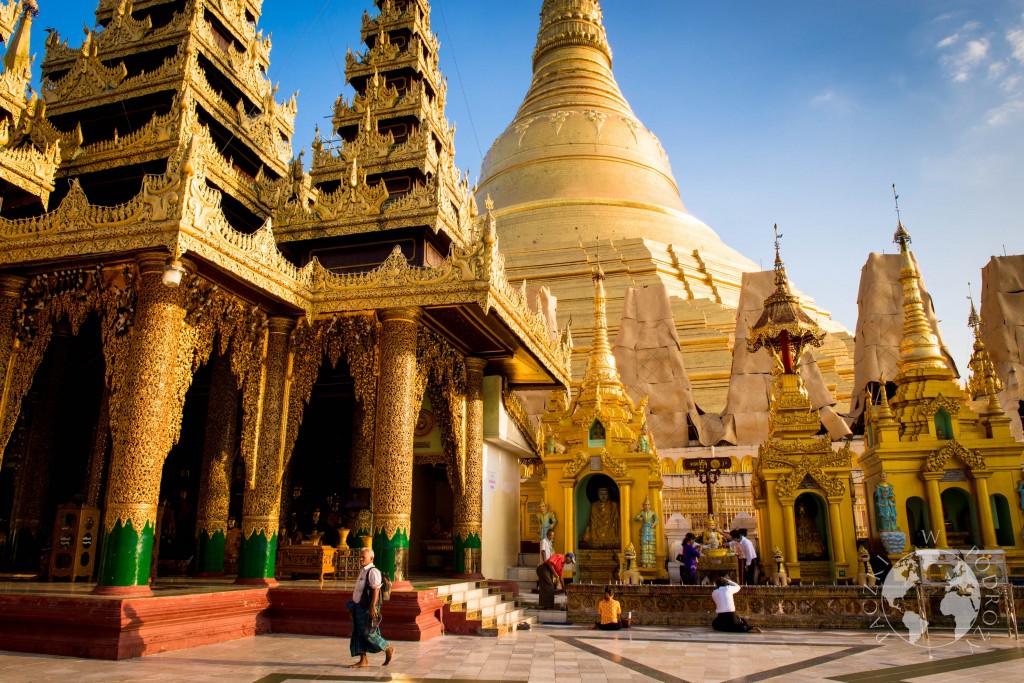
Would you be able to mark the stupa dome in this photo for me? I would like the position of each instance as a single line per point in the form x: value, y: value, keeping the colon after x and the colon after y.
x: 576, y: 163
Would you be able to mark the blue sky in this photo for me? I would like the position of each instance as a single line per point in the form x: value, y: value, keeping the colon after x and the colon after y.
x: 801, y: 113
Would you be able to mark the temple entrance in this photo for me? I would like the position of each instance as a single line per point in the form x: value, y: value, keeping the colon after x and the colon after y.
x: 56, y: 449
x: 812, y: 540
x: 960, y: 518
x: 318, y: 499
x: 431, y: 550
x: 598, y: 526
x: 922, y: 535
x: 175, y: 545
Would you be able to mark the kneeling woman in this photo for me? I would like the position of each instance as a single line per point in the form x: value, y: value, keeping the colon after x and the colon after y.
x: 727, y: 619
x: 609, y: 613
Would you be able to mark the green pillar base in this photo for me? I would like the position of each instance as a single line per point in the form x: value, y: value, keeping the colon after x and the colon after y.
x: 126, y: 558
x: 391, y: 555
x: 467, y: 567
x: 210, y: 553
x: 257, y: 559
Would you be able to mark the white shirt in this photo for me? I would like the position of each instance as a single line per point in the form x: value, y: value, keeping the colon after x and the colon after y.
x: 747, y: 551
x: 369, y: 573
x: 545, y: 549
x: 723, y: 597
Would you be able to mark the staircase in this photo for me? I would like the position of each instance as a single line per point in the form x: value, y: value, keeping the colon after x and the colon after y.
x: 525, y: 573
x: 478, y: 608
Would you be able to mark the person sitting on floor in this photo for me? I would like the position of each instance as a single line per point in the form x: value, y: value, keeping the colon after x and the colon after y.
x: 609, y: 613
x: 727, y: 619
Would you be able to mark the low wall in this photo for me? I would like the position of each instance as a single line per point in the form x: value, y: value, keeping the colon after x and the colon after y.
x: 817, y: 607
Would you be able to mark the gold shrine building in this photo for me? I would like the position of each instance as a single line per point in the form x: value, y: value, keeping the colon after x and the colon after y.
x: 195, y: 329
x: 601, y: 472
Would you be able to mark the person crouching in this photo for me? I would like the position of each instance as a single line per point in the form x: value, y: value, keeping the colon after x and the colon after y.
x: 727, y: 619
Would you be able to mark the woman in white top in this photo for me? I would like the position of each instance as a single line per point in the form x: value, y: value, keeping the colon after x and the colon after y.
x: 727, y: 619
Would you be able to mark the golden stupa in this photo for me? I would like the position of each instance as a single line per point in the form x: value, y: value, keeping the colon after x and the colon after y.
x: 576, y: 168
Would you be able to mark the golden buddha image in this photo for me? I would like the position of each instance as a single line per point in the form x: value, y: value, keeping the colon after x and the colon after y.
x: 602, y: 530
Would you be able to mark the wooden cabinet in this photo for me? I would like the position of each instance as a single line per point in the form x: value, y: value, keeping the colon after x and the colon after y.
x: 75, y: 534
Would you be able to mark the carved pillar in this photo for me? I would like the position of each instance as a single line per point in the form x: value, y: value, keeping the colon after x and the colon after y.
x: 262, y: 504
x: 469, y: 513
x: 985, y: 521
x: 218, y: 461
x: 98, y: 453
x: 789, y: 530
x: 361, y: 472
x: 11, y: 287
x: 931, y: 482
x: 147, y: 395
x: 396, y: 423
x: 835, y: 524
x: 28, y: 532
x: 567, y: 521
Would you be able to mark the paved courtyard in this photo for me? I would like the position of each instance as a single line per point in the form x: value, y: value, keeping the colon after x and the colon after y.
x: 562, y: 653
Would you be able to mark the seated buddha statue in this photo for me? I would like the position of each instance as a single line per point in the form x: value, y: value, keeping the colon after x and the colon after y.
x: 602, y: 530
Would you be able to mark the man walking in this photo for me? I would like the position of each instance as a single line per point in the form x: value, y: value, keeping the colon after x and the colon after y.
x: 365, y: 608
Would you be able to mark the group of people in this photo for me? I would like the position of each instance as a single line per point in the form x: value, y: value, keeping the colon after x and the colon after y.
x: 742, y: 546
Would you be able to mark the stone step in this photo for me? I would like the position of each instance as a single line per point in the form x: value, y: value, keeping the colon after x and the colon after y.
x: 462, y: 597
x: 446, y: 590
x: 484, y: 601
x: 521, y: 573
x: 506, y: 624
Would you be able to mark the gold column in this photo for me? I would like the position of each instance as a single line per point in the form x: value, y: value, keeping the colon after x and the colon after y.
x: 99, y: 452
x: 261, y: 507
x: 626, y: 519
x: 148, y: 389
x: 567, y: 522
x: 11, y: 287
x: 789, y: 542
x: 361, y: 467
x: 396, y: 422
x: 469, y: 513
x: 30, y: 494
x: 988, y: 527
x: 218, y: 462
x: 931, y: 481
x: 835, y: 524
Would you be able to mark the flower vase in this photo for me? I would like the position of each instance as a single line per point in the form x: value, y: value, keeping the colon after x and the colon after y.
x: 367, y: 541
x: 343, y: 537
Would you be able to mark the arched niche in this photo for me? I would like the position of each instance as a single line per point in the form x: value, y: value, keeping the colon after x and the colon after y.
x: 812, y: 538
x: 960, y: 518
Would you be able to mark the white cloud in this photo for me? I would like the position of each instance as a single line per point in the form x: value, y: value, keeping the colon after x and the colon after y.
x: 996, y: 69
x: 1010, y: 83
x: 1006, y: 113
x: 973, y: 55
x: 824, y: 97
x: 948, y: 40
x: 1016, y: 40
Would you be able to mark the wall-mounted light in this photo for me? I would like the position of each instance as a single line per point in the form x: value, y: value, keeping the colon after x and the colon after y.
x: 172, y: 274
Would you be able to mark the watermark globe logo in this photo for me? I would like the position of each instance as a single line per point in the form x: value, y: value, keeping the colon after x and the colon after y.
x: 960, y: 599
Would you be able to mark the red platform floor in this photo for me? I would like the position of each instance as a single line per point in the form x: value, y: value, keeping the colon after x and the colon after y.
x: 68, y: 619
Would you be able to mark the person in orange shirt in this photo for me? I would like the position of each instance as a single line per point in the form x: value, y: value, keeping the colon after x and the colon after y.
x: 609, y: 612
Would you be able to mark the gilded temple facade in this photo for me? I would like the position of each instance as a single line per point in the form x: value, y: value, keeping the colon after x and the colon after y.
x: 242, y: 326
x: 941, y: 470
x: 601, y: 473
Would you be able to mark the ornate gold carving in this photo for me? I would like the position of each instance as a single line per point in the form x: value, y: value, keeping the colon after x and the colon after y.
x: 578, y: 462
x: 469, y: 513
x: 937, y: 460
x: 940, y: 402
x: 397, y: 407
x: 613, y: 464
x: 517, y: 413
x: 804, y: 458
x: 70, y: 295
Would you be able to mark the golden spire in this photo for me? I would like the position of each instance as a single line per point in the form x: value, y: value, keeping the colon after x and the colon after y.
x: 18, y: 59
x: 571, y: 23
x: 784, y: 328
x: 983, y: 380
x: 919, y: 347
x: 601, y: 361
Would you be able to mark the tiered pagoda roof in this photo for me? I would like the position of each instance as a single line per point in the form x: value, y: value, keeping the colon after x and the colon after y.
x: 389, y: 163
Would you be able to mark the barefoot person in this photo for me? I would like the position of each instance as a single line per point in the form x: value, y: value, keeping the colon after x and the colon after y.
x: 365, y: 608
x: 727, y: 619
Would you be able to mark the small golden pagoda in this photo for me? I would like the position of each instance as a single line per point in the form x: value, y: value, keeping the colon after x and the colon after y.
x: 801, y: 483
x: 942, y: 474
x: 603, y: 478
